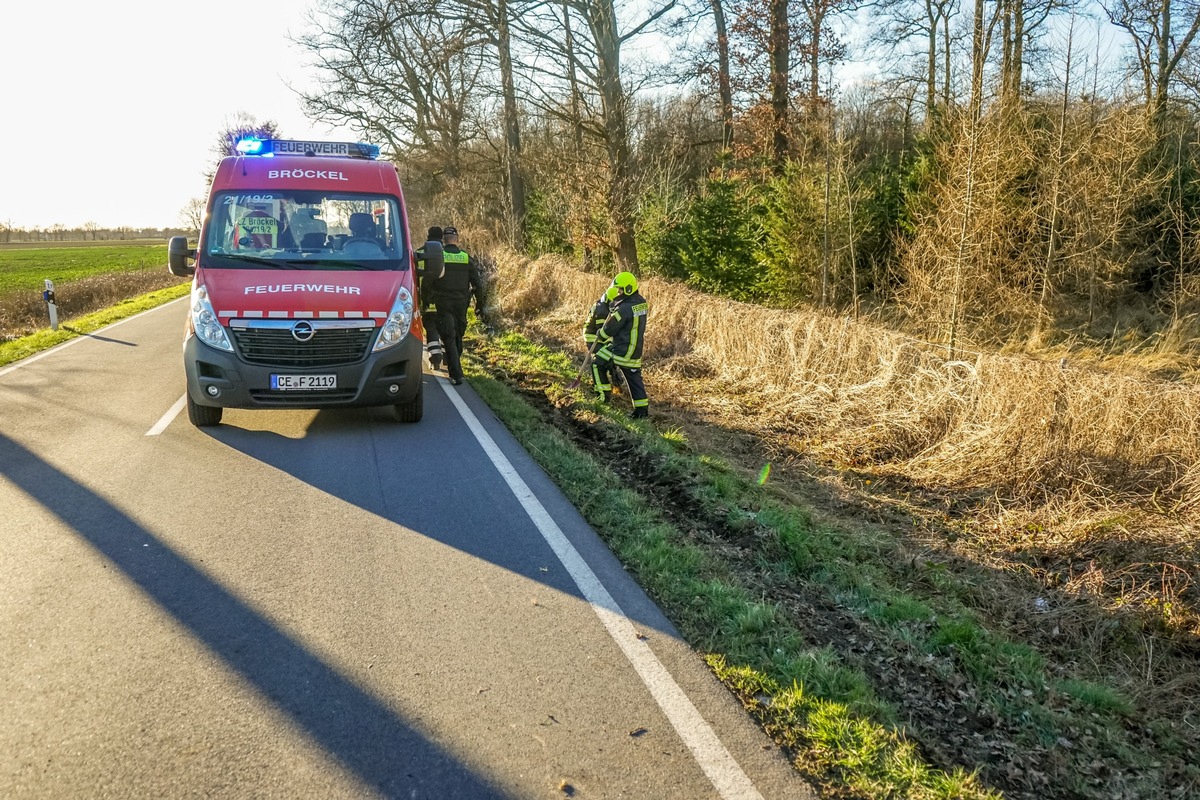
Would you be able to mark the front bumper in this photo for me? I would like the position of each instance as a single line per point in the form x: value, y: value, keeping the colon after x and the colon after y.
x: 387, y: 377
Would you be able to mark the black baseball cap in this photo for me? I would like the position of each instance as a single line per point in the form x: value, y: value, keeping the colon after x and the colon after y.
x: 450, y: 230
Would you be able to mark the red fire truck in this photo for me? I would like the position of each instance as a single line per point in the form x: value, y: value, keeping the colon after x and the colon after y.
x: 304, y: 290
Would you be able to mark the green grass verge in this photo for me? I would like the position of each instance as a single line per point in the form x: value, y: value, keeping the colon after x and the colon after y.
x: 806, y: 696
x: 26, y: 346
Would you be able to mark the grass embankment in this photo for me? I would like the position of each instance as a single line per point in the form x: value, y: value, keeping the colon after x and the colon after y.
x: 868, y: 596
x: 88, y: 277
x: 823, y: 710
x: 95, y: 285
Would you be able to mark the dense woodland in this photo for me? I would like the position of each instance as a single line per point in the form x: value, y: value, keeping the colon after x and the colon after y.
x: 1013, y: 172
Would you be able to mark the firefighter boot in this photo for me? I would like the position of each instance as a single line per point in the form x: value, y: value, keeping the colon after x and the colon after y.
x: 641, y: 412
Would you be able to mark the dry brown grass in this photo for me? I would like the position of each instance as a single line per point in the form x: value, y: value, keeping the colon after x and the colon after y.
x: 22, y: 313
x: 1086, y: 479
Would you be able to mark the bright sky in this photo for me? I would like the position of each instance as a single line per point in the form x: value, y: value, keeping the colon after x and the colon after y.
x: 111, y: 109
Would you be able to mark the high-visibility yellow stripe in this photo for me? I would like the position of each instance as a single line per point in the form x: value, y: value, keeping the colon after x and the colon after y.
x: 634, y: 331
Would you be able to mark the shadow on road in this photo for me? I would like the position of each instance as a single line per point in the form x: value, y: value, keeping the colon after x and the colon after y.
x: 433, y: 478
x: 98, y: 338
x: 383, y: 750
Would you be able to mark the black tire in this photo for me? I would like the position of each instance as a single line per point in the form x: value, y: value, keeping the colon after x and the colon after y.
x: 414, y: 409
x: 203, y: 416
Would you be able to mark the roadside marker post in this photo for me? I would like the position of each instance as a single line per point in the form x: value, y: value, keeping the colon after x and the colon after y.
x: 51, y: 306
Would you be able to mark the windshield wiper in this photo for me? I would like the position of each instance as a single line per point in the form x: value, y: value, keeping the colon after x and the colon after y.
x: 342, y: 264
x: 251, y: 259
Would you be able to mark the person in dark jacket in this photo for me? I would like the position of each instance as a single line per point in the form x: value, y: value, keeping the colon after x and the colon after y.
x: 596, y: 319
x: 429, y: 312
x: 452, y: 294
x: 619, y: 340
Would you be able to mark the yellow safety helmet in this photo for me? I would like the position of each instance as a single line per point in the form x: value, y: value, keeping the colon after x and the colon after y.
x: 625, y: 283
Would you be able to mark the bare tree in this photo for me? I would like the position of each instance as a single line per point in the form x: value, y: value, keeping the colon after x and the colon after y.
x: 1157, y: 49
x: 1022, y: 23
x: 421, y: 76
x: 243, y: 125
x: 192, y: 214
x: 406, y: 73
x: 820, y: 46
x: 926, y: 22
x: 594, y: 64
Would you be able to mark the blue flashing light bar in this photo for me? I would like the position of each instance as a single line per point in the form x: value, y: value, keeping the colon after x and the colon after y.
x: 252, y: 146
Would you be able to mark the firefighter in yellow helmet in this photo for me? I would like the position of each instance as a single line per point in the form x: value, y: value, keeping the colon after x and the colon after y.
x: 619, y: 340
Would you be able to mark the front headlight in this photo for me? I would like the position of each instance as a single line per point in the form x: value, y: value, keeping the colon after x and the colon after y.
x: 205, y: 323
x: 398, y: 321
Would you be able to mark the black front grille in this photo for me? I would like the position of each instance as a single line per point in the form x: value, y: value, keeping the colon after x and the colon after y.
x: 276, y: 347
x: 267, y: 397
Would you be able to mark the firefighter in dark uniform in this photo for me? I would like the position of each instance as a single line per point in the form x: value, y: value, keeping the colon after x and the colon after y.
x: 429, y: 312
x: 452, y: 294
x: 596, y: 319
x: 619, y: 340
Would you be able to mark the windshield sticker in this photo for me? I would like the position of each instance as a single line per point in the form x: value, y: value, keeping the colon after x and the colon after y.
x: 259, y: 225
x: 248, y: 199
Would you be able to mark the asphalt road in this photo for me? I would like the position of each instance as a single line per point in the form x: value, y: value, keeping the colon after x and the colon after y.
x: 322, y: 604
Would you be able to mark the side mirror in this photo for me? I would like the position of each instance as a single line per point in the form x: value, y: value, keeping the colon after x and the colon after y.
x: 178, y: 254
x: 435, y: 259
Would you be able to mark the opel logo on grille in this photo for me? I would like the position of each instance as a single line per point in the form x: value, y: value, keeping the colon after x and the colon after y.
x: 302, y: 331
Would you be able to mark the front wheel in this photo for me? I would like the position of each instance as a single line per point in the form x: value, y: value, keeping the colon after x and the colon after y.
x: 203, y: 416
x: 413, y: 410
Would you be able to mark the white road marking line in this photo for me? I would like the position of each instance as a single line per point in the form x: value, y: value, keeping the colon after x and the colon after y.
x: 720, y: 767
x: 82, y: 338
x: 167, y: 418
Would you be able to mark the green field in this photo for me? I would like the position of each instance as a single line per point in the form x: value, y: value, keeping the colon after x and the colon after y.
x: 25, y: 267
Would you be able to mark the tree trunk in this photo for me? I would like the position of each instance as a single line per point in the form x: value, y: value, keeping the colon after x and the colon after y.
x: 613, y: 102
x: 825, y: 246
x: 1056, y: 187
x: 512, y: 129
x: 1162, y: 76
x: 1006, y: 50
x: 577, y: 131
x: 1017, y: 72
x: 978, y: 57
x: 946, y: 60
x: 780, y: 47
x: 931, y: 66
x: 724, y: 89
x: 816, y: 22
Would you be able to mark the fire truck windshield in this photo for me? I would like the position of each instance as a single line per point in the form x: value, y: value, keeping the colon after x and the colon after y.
x: 298, y: 228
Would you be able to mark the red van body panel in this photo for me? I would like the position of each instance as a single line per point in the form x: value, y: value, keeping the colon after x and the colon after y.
x: 300, y: 333
x: 256, y: 173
